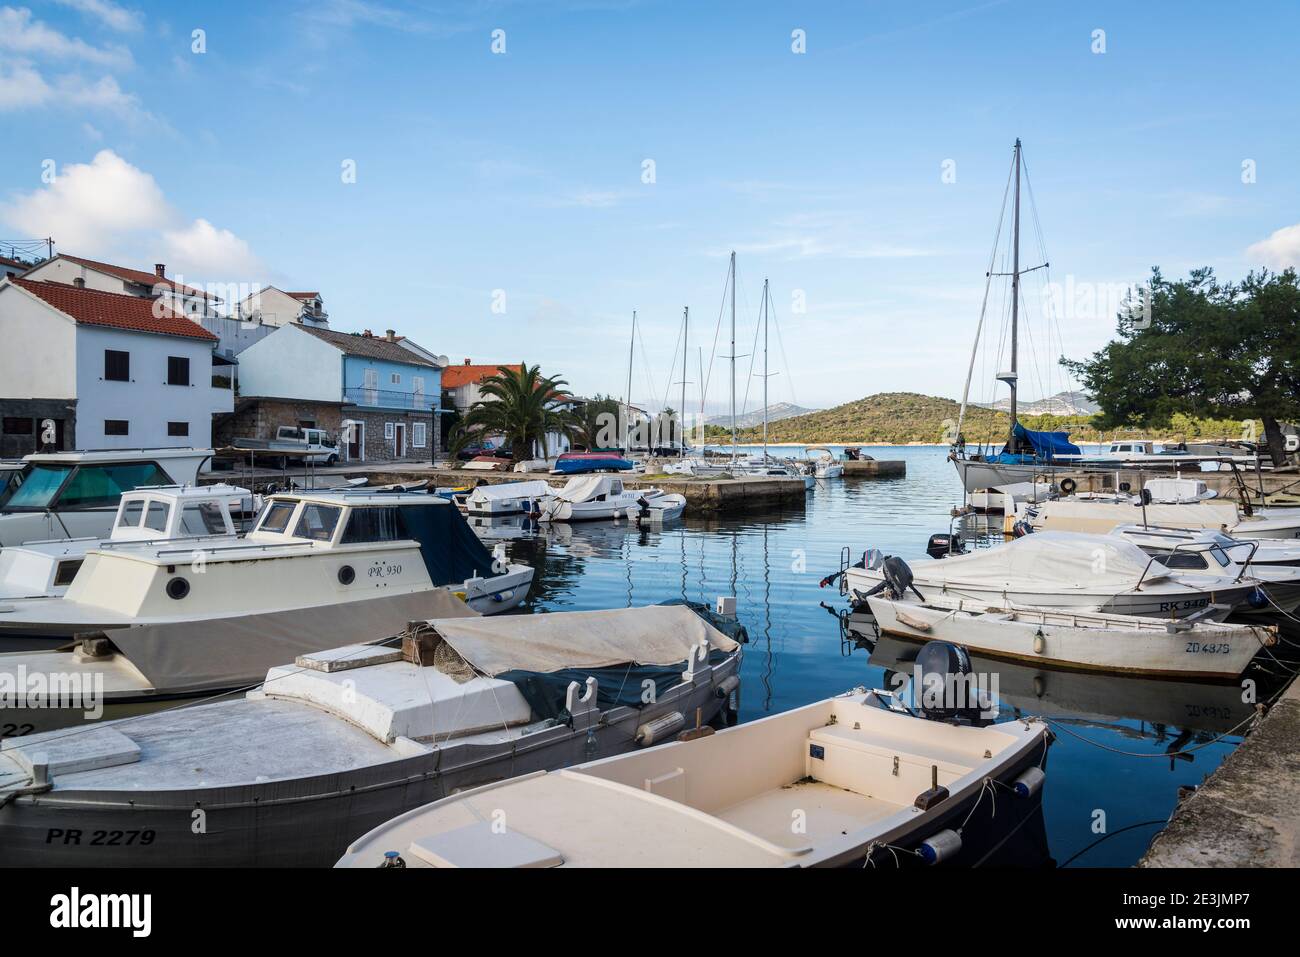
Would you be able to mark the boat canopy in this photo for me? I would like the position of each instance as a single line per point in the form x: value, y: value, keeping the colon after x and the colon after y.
x: 511, y: 490
x: 1046, y: 446
x: 587, y: 487
x: 1058, y: 559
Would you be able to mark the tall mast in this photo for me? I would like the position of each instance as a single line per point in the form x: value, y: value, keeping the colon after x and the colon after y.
x: 765, y: 370
x: 1015, y: 297
x: 733, y: 357
x: 686, y: 331
x: 627, y: 405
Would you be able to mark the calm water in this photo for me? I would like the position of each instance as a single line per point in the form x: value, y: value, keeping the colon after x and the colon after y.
x: 1113, y: 734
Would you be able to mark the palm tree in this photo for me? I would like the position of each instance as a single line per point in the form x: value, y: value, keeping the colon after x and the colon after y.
x: 520, y: 406
x: 596, y: 423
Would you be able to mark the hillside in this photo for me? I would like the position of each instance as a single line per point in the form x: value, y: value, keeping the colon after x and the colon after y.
x: 1063, y: 403
x: 775, y: 413
x: 899, y: 418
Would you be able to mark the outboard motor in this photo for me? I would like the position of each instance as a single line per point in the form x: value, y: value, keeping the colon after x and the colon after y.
x: 898, y: 580
x: 943, y: 544
x: 946, y: 686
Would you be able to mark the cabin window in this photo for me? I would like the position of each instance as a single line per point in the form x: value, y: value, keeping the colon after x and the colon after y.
x: 1191, y: 560
x: 156, y: 517
x: 318, y: 522
x: 117, y: 365
x: 375, y: 524
x: 178, y: 370
x: 1219, y: 556
x: 616, y: 487
x: 66, y: 571
x: 276, y: 518
x: 130, y: 516
x: 40, y: 486
x: 202, y: 518
x: 97, y: 485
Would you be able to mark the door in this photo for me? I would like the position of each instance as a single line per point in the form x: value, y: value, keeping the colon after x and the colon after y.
x: 355, y: 441
x: 399, y: 440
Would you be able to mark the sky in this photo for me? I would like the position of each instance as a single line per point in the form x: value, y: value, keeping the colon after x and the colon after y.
x: 508, y: 181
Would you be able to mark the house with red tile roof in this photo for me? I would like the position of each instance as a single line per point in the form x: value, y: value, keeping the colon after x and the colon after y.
x: 275, y: 307
x: 111, y: 370
x: 107, y: 277
x: 462, y: 381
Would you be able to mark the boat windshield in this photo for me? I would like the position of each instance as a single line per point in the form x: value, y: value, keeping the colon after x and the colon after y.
x: 41, y: 485
x: 318, y: 522
x: 276, y: 517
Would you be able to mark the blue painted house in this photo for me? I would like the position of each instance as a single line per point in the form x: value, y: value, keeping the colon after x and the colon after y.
x: 387, y: 390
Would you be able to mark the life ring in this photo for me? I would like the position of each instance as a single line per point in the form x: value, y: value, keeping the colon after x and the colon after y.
x: 1068, y: 485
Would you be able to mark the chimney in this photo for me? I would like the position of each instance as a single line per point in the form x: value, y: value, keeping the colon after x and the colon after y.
x: 160, y: 270
x: 466, y: 362
x: 367, y: 333
x: 390, y: 335
x: 79, y: 283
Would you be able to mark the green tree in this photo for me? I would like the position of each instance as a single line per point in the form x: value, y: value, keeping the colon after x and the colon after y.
x: 1205, y: 349
x: 521, y: 407
x: 596, y: 423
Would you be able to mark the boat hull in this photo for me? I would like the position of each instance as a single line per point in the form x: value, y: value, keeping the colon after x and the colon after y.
x: 304, y: 822
x: 1093, y: 644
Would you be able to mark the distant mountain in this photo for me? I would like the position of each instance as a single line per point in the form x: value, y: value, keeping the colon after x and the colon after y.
x: 1063, y: 403
x: 775, y: 412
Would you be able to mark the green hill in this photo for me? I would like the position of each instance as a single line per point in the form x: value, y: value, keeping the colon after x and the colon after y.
x: 899, y: 418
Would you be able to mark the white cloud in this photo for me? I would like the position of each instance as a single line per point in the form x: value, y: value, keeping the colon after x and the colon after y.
x: 23, y: 87
x: 108, y: 12
x: 109, y: 209
x: 1280, y: 250
x: 23, y: 36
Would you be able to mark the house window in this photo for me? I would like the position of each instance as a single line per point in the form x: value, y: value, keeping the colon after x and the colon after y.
x: 178, y: 370
x: 395, y: 379
x: 388, y: 431
x: 17, y: 426
x: 117, y: 427
x: 178, y: 428
x: 417, y: 435
x: 117, y: 365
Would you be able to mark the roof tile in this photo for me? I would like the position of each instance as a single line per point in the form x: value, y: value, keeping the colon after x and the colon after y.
x: 114, y: 309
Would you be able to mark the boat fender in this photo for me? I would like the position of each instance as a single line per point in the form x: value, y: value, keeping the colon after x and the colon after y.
x: 1040, y: 642
x: 1029, y: 783
x: 657, y: 729
x: 940, y: 847
x: 393, y: 859
x: 1258, y: 598
x: 726, y: 686
x: 503, y: 596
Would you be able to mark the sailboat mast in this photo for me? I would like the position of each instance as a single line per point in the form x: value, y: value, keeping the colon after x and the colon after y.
x: 765, y: 371
x: 733, y: 357
x: 627, y: 405
x: 1015, y: 298
x: 686, y: 331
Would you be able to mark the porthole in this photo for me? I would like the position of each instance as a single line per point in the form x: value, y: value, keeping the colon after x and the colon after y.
x: 346, y: 575
x: 178, y: 588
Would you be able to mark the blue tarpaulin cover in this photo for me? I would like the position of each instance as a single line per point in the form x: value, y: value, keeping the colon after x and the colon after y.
x: 1046, y: 445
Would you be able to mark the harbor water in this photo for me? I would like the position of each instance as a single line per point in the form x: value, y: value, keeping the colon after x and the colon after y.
x: 1124, y: 746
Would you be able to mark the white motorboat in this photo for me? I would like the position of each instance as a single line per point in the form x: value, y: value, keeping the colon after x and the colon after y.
x: 75, y: 494
x: 1268, y: 552
x: 319, y: 567
x: 1102, y: 642
x: 824, y: 463
x: 1176, y: 491
x: 591, y: 497
x: 698, y: 467
x: 842, y: 782
x: 340, y: 741
x: 657, y: 510
x: 1207, y: 553
x: 1098, y: 516
x: 1058, y: 570
x: 172, y: 513
x: 508, y: 498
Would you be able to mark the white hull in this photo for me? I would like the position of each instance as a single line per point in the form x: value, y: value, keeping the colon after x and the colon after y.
x: 1100, y: 517
x: 1100, y: 642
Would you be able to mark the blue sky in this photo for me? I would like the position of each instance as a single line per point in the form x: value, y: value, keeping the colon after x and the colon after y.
x: 523, y: 171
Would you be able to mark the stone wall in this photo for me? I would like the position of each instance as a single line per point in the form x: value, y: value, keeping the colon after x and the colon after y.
x: 19, y: 442
x: 381, y: 449
x: 259, y: 418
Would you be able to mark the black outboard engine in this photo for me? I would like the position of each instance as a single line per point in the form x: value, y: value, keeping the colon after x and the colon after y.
x: 943, y: 544
x: 898, y: 579
x: 946, y: 689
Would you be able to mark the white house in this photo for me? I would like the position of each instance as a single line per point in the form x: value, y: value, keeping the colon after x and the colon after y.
x: 275, y: 307
x: 89, y: 274
x: 111, y: 370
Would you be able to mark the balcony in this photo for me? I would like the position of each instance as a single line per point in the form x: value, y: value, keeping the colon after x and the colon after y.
x: 388, y: 399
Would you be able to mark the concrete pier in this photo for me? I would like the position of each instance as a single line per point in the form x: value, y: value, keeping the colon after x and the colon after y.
x: 875, y: 468
x: 1247, y: 813
x: 704, y: 496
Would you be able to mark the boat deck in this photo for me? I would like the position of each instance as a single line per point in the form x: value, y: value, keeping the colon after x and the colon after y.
x: 827, y: 812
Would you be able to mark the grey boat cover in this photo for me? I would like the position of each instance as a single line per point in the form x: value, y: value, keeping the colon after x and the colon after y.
x: 652, y: 635
x: 235, y: 652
